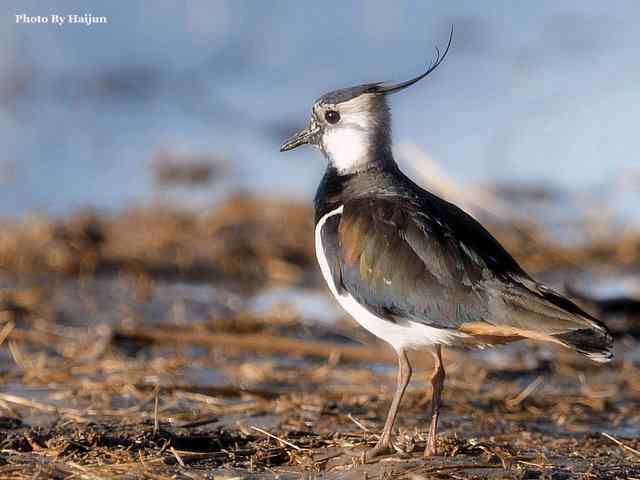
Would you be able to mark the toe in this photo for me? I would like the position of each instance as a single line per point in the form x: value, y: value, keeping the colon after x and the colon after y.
x: 381, y: 448
x: 431, y: 450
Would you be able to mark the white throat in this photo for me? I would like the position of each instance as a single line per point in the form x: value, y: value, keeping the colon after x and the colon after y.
x: 346, y: 147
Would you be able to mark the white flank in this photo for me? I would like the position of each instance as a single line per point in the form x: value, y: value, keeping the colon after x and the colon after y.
x: 322, y: 259
x: 408, y: 335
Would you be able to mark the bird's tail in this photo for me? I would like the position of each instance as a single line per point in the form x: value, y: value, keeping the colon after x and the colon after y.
x: 595, y: 342
x: 550, y: 316
x: 588, y: 336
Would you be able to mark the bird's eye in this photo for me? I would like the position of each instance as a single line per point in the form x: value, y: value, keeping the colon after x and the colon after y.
x: 332, y: 116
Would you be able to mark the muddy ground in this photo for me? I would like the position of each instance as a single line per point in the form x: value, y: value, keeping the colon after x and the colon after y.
x: 164, y: 344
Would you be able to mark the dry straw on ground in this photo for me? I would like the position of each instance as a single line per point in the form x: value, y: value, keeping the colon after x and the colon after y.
x: 107, y: 374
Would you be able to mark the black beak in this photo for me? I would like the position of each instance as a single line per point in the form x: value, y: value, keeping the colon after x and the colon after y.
x: 307, y: 136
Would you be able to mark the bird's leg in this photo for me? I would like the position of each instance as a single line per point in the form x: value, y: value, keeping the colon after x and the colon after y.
x: 437, y: 382
x: 384, y: 445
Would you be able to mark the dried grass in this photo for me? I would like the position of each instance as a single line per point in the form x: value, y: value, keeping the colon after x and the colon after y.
x: 243, y: 394
x: 246, y: 238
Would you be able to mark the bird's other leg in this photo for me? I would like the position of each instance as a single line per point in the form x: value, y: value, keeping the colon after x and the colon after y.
x: 384, y: 445
x: 437, y: 382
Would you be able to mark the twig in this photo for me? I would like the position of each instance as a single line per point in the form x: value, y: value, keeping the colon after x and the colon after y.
x: 16, y: 353
x: 156, y: 423
x: 357, y: 422
x: 620, y: 444
x: 528, y: 390
x: 465, y: 466
x: 253, y: 342
x: 277, y: 438
x: 77, y: 415
x: 534, y: 464
x: 261, y: 342
x: 7, y: 397
x: 178, y: 458
x: 199, y: 423
x: 212, y: 391
x: 86, y: 473
x: 8, y: 408
x: 6, y: 330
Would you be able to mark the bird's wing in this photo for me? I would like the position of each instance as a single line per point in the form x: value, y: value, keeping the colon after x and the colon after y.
x: 439, y: 266
x: 401, y: 267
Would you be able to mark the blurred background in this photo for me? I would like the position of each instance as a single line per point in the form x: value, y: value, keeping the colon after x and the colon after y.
x: 537, y: 95
x: 157, y: 265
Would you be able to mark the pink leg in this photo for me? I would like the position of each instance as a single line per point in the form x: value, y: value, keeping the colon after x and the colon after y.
x: 437, y: 382
x: 404, y: 375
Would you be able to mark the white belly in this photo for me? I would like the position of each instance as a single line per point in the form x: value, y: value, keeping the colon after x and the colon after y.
x: 408, y: 335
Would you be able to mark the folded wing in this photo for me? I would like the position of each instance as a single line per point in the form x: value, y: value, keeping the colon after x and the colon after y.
x: 440, y: 267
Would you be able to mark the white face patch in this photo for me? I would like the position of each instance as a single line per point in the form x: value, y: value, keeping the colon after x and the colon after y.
x: 346, y: 147
x: 348, y: 142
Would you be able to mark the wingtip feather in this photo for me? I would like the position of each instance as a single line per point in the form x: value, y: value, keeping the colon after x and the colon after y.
x: 600, y: 357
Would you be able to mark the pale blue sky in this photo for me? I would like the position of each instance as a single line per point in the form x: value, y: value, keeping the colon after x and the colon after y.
x: 532, y: 92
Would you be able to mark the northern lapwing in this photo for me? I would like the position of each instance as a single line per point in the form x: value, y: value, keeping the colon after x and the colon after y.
x: 412, y: 268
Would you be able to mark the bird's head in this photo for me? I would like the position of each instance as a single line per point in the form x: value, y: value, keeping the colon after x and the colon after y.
x: 352, y: 126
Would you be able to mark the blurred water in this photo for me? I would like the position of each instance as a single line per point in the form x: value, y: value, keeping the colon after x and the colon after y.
x: 537, y: 92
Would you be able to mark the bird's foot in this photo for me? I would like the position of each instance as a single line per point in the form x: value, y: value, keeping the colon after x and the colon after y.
x: 383, y: 447
x: 431, y: 450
